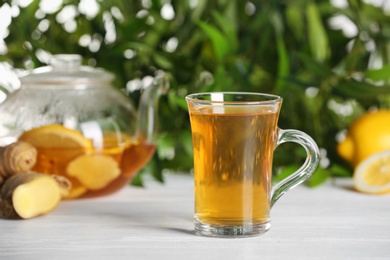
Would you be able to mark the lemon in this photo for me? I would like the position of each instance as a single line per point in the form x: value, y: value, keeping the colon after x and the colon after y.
x: 57, y: 141
x: 372, y: 175
x: 55, y: 136
x: 367, y: 135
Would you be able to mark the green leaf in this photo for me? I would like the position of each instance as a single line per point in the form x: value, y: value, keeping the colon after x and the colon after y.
x: 199, y: 10
x: 219, y: 41
x: 162, y: 61
x: 318, y: 177
x: 313, y: 66
x: 231, y: 13
x: 178, y: 101
x: 186, y: 141
x: 352, y: 88
x: 140, y: 47
x: 283, y: 66
x: 318, y: 39
x: 379, y: 74
x: 155, y: 169
x: 283, y: 59
x: 137, y: 180
x: 221, y: 80
x: 165, y: 145
x: 181, y: 163
x: 295, y: 18
x: 228, y: 27
x: 285, y: 172
x: 354, y: 59
x: 339, y: 171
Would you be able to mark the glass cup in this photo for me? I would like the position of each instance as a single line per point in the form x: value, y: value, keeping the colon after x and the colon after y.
x: 234, y: 137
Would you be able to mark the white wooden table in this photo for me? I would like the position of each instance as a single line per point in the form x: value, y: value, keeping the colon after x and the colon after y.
x: 329, y: 222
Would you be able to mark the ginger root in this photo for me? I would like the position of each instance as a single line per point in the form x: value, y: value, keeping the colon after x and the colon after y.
x: 28, y: 195
x: 23, y: 193
x: 16, y: 158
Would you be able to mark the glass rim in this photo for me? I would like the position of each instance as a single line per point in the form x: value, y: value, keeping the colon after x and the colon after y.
x: 272, y: 98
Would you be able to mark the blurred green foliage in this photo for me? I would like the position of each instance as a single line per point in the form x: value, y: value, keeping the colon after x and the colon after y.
x: 290, y: 48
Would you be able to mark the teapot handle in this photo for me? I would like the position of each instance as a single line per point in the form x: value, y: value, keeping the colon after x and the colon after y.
x: 148, y: 108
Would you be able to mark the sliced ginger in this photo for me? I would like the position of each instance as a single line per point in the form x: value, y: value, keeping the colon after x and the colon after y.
x: 77, y: 190
x: 28, y: 195
x: 94, y: 171
x: 64, y: 184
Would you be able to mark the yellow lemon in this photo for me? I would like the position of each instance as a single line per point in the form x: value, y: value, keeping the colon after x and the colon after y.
x: 57, y: 142
x: 367, y: 135
x: 372, y: 175
x: 54, y: 136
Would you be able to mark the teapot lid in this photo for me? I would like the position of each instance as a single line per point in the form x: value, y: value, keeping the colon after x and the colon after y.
x: 65, y: 69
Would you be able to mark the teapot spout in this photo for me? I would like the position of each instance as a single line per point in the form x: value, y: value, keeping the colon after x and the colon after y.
x: 148, y: 108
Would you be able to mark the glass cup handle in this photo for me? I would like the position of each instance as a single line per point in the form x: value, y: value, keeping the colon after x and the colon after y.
x: 304, y: 172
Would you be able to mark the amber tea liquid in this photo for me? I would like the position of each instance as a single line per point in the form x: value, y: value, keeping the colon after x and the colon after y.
x: 233, y: 152
x: 130, y: 159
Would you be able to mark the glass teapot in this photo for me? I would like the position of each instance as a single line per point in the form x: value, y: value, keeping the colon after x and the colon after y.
x: 82, y: 127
